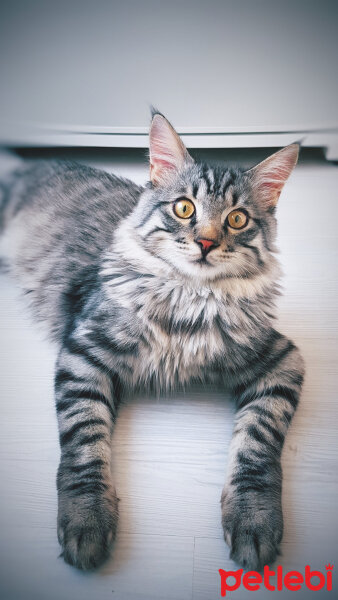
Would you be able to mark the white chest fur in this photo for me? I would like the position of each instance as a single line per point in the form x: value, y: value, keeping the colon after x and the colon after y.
x: 177, y: 321
x: 177, y: 325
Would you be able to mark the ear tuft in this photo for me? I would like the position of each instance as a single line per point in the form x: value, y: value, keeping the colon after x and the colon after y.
x: 154, y: 111
x: 167, y: 151
x: 268, y: 177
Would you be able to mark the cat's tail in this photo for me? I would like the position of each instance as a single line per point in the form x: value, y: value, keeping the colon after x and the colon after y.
x: 9, y: 163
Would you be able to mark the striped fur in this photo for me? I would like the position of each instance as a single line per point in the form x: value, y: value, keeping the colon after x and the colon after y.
x: 121, y: 284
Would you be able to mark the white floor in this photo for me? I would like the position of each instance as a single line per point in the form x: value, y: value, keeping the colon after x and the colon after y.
x: 171, y: 455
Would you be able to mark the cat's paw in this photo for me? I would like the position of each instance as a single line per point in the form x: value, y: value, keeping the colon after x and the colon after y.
x: 253, y: 529
x: 86, y: 528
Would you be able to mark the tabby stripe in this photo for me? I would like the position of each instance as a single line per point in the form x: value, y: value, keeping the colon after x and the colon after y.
x: 249, y: 474
x: 263, y: 412
x: 150, y: 213
x: 91, y: 439
x: 65, y: 376
x: 296, y: 378
x: 261, y: 226
x: 286, y: 393
x: 256, y: 252
x: 253, y: 486
x: 171, y: 224
x: 267, y: 346
x: 262, y: 457
x: 234, y: 198
x: 251, y: 315
x: 206, y: 178
x: 276, y: 434
x: 97, y: 477
x: 280, y: 391
x: 97, y: 462
x: 195, y: 188
x: 247, y: 236
x: 272, y: 364
x: 88, y: 394
x: 101, y: 398
x: 155, y: 230
x: 75, y: 348
x: 244, y: 459
x: 94, y: 396
x: 228, y: 182
x: 86, y: 487
x: 259, y: 436
x: 263, y: 366
x: 67, y: 435
x: 171, y: 326
x: 287, y: 416
x: 74, y: 413
x: 109, y: 344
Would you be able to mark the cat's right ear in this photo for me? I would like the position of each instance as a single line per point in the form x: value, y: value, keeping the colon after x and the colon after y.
x: 167, y: 151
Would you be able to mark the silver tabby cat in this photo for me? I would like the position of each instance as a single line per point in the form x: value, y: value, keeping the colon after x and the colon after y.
x: 153, y: 288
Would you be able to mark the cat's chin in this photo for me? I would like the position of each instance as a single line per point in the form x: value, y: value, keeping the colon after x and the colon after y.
x: 201, y: 269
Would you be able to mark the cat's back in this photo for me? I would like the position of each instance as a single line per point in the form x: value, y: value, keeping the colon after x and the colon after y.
x: 67, y: 192
x: 57, y: 217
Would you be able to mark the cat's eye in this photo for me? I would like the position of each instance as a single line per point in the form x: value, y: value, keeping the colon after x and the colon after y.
x: 237, y: 219
x: 184, y: 208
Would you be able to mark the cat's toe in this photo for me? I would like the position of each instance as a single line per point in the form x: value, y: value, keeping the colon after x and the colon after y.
x: 253, y: 549
x: 86, y: 548
x: 253, y: 534
x: 86, y: 531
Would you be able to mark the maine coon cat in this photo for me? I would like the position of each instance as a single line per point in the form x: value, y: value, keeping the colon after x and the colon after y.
x: 153, y: 288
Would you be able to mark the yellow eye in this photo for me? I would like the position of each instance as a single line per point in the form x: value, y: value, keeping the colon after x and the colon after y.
x: 237, y: 219
x: 184, y: 208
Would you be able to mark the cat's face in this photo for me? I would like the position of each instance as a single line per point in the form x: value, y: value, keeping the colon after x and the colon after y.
x: 209, y: 222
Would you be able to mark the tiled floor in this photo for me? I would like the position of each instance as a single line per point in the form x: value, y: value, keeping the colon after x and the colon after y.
x: 170, y: 455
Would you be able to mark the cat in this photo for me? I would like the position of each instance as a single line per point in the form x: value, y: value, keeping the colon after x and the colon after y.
x: 152, y: 289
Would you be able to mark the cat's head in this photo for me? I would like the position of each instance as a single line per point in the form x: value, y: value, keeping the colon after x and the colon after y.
x: 209, y: 222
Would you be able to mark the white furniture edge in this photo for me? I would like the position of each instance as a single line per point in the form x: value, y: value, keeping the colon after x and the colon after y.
x: 104, y: 137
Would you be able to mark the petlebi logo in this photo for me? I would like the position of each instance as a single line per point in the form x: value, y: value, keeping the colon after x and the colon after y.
x: 276, y: 580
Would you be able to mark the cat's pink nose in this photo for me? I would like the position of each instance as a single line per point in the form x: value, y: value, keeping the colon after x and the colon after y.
x: 206, y: 245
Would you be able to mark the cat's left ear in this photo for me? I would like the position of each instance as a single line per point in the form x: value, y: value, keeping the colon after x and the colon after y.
x: 268, y: 177
x: 167, y: 151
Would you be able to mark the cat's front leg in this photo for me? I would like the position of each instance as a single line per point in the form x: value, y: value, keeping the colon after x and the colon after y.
x: 251, y: 501
x: 87, y: 502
